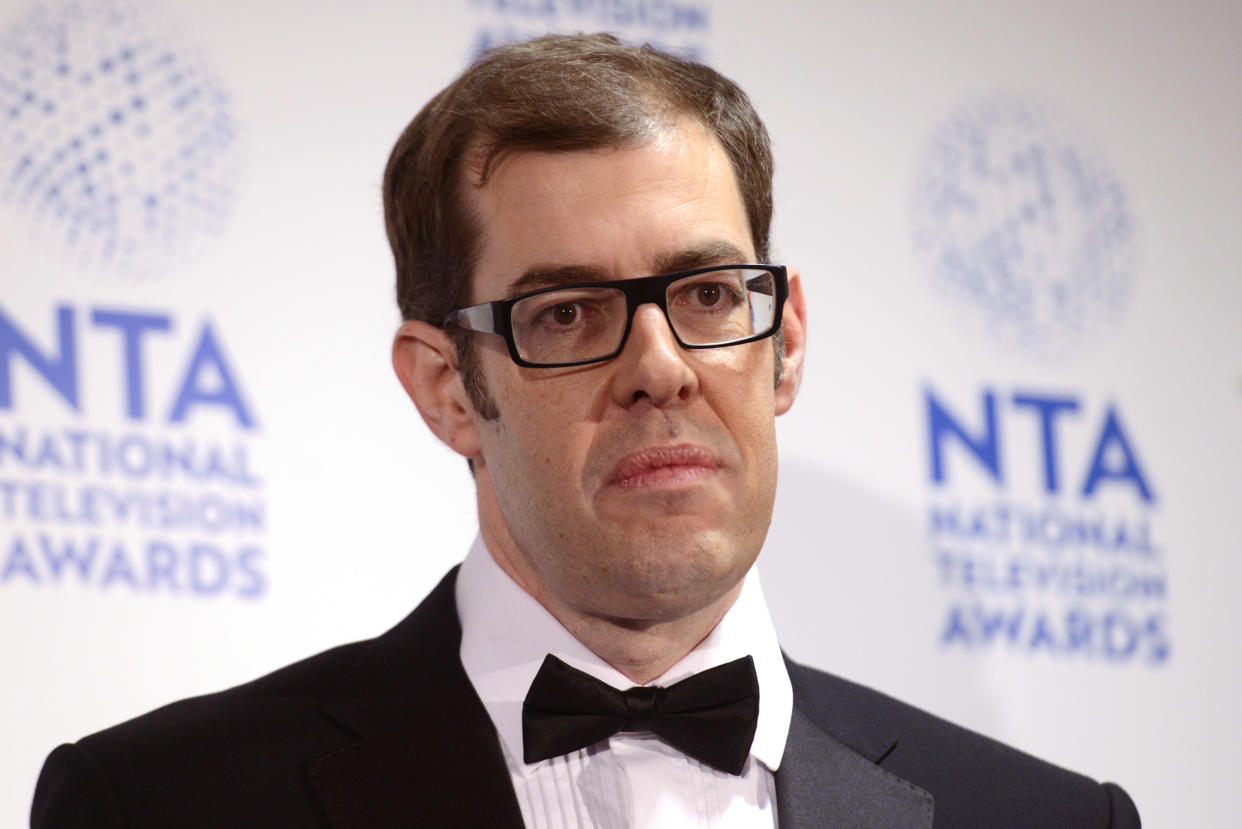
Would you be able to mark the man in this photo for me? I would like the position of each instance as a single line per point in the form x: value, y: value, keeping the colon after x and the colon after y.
x: 580, y: 230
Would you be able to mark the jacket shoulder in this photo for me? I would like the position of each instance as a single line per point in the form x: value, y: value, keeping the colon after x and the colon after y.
x: 297, y: 689
x: 232, y: 757
x: 974, y: 780
x: 239, y: 757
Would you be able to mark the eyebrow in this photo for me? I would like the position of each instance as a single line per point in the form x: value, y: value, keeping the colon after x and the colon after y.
x: 545, y: 276
x: 699, y: 256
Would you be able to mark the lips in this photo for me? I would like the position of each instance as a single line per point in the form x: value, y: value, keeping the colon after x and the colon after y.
x: 664, y: 466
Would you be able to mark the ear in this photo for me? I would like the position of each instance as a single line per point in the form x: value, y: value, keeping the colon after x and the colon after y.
x: 793, y: 327
x: 425, y: 359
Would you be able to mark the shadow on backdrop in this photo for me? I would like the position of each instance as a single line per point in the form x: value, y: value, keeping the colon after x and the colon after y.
x: 852, y: 589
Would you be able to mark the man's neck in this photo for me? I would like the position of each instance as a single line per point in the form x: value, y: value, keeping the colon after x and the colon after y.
x: 640, y: 649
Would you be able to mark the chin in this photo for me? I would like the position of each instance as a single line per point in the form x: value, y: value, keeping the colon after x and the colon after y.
x: 669, y: 582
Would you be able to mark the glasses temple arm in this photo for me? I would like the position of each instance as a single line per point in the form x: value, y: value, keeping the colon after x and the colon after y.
x: 475, y: 318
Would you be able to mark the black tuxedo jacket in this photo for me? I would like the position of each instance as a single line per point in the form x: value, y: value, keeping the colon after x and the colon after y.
x: 390, y: 733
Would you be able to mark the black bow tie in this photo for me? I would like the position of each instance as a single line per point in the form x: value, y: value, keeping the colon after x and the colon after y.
x: 710, y: 716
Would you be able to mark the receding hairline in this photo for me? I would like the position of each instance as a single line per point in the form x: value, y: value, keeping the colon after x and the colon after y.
x: 658, y: 115
x: 481, y: 161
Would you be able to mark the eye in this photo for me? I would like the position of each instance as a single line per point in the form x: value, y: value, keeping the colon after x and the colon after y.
x: 708, y: 297
x: 707, y: 294
x: 565, y: 313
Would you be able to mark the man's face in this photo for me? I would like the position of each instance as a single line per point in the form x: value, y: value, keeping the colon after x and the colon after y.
x: 640, y: 488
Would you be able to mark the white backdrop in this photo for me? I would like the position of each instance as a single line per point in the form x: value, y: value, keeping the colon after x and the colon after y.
x: 207, y: 469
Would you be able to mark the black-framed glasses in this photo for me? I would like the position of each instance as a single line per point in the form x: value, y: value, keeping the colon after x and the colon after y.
x: 589, y: 322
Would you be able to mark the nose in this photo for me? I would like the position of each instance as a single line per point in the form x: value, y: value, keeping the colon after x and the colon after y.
x: 652, y: 366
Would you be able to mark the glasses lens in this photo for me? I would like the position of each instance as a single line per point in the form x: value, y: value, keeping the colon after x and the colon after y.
x: 570, y: 325
x: 720, y: 307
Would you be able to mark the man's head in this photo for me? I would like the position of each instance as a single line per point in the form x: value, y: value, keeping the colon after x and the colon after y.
x: 638, y: 489
x: 552, y: 94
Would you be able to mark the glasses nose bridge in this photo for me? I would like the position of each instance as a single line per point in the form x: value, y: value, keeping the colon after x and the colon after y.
x: 647, y: 291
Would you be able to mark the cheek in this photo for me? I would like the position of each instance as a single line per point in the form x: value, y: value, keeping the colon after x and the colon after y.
x: 756, y: 436
x: 540, y: 440
x: 748, y: 414
x: 741, y: 390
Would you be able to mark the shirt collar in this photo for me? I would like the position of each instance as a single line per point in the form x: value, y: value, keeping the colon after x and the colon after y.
x: 506, y: 634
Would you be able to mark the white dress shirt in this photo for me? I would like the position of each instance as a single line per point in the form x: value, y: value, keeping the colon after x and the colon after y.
x: 632, y: 779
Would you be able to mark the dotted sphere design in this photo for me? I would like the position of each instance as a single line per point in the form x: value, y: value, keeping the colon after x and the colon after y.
x: 116, y: 142
x: 1023, y: 226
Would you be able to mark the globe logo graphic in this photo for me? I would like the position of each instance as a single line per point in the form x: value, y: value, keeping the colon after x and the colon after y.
x: 1022, y: 227
x: 116, y: 142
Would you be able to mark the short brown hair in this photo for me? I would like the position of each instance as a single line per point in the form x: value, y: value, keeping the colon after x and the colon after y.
x: 554, y: 93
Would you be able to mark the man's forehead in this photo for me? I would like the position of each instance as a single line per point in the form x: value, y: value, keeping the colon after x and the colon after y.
x: 505, y: 204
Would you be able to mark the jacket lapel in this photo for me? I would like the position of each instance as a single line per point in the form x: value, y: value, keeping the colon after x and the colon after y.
x: 830, y: 774
x: 426, y: 753
x: 822, y: 782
